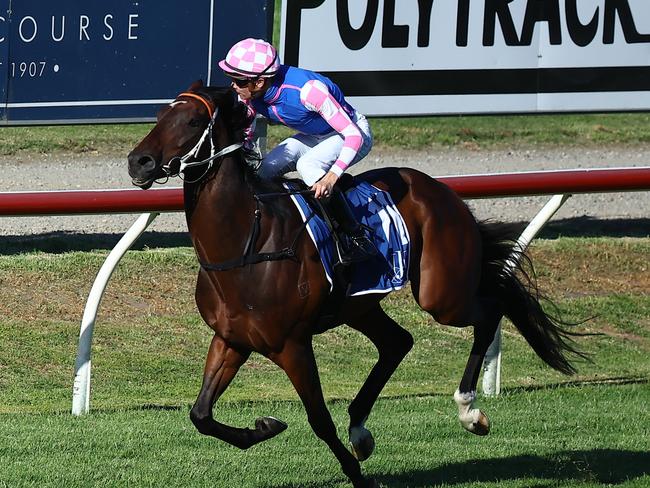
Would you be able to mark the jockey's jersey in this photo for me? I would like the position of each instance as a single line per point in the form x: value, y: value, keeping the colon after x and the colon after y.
x: 295, y: 99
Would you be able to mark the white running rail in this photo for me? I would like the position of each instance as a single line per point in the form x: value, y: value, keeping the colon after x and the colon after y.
x: 81, y: 387
x: 492, y: 361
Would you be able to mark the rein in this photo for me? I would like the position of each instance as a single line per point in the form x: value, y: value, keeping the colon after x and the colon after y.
x: 249, y: 256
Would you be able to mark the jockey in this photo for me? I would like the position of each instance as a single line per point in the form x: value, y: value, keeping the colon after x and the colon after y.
x: 332, y: 135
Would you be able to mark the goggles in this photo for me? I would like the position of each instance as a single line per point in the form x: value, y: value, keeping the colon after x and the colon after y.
x: 242, y: 82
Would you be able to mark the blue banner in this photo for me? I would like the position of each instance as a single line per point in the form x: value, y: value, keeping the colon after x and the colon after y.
x: 96, y: 61
x: 4, y: 56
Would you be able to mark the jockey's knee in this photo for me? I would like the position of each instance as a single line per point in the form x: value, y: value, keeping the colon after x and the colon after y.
x: 268, y: 170
x: 275, y: 165
x: 280, y: 160
x: 310, y: 170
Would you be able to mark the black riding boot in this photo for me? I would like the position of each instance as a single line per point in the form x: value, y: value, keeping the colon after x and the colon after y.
x: 354, y: 245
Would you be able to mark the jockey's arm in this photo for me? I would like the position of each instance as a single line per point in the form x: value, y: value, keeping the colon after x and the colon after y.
x: 316, y: 97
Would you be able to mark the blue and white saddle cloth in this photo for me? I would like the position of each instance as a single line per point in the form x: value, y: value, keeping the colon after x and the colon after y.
x: 375, y: 209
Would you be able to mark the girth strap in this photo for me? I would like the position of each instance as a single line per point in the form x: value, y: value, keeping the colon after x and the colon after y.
x: 255, y: 258
x: 252, y: 257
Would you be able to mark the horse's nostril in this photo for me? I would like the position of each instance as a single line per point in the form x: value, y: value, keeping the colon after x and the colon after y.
x: 147, y: 163
x: 141, y: 161
x: 142, y: 167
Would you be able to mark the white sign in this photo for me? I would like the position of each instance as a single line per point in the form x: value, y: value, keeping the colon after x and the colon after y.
x: 415, y: 57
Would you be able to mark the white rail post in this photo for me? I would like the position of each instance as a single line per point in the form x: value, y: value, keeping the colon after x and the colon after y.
x: 81, y: 386
x: 492, y: 361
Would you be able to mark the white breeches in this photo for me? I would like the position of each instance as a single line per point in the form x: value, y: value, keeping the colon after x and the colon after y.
x: 312, y: 156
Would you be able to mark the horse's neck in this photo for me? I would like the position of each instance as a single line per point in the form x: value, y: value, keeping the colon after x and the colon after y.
x: 221, y: 213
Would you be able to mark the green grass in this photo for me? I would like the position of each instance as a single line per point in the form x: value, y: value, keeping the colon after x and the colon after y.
x: 148, y: 352
x: 76, y: 139
x: 148, y: 330
x: 158, y: 360
x: 561, y: 437
x: 473, y: 132
x: 514, y: 131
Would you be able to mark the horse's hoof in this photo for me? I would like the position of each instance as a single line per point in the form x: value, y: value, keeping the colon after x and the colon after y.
x: 269, y: 427
x: 481, y: 426
x: 362, y: 443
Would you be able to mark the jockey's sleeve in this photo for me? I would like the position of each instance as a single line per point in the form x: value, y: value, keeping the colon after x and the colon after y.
x: 316, y: 97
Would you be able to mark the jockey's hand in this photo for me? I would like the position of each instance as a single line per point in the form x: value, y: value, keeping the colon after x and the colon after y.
x: 323, y: 187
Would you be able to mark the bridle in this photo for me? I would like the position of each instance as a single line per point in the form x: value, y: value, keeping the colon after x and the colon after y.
x: 250, y: 255
x: 183, y: 162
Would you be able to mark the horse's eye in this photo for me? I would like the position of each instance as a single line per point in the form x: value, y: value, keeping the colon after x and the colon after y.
x: 194, y: 123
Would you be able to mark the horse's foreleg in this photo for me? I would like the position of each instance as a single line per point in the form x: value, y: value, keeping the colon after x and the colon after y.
x: 221, y: 366
x: 299, y: 363
x: 393, y: 343
x: 486, y: 320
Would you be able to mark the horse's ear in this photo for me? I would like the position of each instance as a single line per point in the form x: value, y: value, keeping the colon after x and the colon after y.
x: 196, y: 85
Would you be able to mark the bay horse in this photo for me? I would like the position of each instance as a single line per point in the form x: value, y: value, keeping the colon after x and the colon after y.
x: 261, y: 286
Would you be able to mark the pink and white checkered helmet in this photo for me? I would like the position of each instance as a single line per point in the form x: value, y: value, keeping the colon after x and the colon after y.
x: 251, y: 58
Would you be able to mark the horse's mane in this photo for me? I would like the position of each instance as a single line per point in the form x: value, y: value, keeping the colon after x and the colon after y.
x: 235, y: 114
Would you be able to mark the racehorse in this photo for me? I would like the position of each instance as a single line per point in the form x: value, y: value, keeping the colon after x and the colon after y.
x: 261, y: 286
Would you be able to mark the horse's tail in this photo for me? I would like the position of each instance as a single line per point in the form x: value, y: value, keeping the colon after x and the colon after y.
x: 509, y: 277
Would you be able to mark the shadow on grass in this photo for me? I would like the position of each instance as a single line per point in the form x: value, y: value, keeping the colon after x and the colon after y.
x: 618, y: 380
x: 586, y: 226
x: 59, y: 242
x: 605, y: 381
x: 161, y: 408
x: 602, y: 466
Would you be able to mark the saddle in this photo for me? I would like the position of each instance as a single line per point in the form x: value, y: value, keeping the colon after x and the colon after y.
x: 373, y: 209
x: 383, y: 272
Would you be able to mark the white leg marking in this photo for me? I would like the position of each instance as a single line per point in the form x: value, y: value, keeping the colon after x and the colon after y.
x: 467, y: 414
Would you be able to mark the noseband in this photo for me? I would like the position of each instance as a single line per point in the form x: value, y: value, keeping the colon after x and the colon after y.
x: 193, y: 153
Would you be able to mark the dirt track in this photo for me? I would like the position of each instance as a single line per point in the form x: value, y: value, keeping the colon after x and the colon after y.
x: 94, y: 172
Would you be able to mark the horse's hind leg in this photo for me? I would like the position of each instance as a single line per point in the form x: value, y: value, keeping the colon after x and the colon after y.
x: 446, y: 284
x: 486, y: 317
x: 393, y: 343
x: 297, y: 360
x: 221, y: 366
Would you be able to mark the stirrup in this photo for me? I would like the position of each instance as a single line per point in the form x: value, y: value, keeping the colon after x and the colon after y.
x: 355, y: 248
x: 363, y: 243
